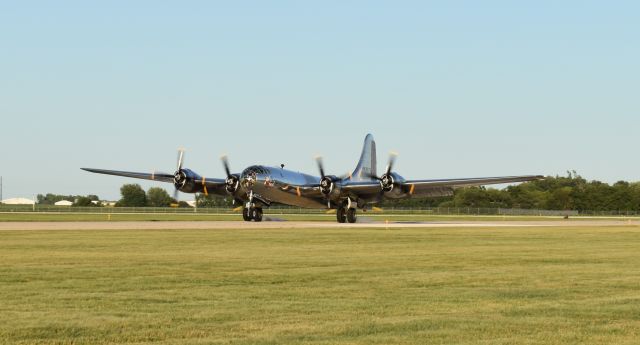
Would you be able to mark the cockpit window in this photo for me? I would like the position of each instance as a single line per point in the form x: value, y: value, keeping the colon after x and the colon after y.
x: 255, y: 169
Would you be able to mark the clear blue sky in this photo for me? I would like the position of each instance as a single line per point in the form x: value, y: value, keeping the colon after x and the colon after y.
x: 458, y: 88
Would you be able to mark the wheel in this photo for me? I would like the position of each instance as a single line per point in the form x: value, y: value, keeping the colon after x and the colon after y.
x: 351, y: 215
x: 341, y: 215
x: 245, y: 215
x: 257, y: 215
x: 253, y: 213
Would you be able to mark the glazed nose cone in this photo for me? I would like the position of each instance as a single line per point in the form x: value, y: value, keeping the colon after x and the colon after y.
x: 252, y: 175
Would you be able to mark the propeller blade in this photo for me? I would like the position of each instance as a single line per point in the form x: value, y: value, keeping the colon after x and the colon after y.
x: 238, y: 209
x: 392, y: 160
x: 320, y: 166
x: 225, y: 163
x: 175, y: 194
x: 180, y: 158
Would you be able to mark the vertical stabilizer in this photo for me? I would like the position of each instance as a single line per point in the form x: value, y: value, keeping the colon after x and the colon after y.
x: 367, y: 164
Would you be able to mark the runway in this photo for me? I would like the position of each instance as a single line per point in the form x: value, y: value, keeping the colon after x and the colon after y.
x: 279, y: 224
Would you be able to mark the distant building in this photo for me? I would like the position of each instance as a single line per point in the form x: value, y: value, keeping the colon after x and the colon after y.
x: 18, y: 201
x: 63, y: 203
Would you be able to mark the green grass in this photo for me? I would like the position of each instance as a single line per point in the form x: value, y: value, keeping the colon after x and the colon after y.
x: 328, y: 286
x: 98, y: 217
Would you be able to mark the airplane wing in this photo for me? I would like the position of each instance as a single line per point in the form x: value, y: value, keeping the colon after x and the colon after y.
x: 163, y: 177
x: 432, y: 188
x: 420, y: 187
x: 214, y: 185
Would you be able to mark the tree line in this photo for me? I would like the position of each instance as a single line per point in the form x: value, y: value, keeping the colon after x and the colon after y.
x: 132, y: 195
x: 570, y: 192
x: 77, y: 200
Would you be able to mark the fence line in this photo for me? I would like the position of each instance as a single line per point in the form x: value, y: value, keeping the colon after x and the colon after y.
x: 295, y: 210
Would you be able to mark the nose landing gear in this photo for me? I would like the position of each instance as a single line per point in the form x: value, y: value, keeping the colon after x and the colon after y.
x: 346, y: 213
x: 351, y: 215
x: 252, y: 213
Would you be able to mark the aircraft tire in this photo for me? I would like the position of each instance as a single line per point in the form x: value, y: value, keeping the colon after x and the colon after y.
x: 246, y: 215
x: 257, y: 214
x: 341, y: 215
x: 351, y: 215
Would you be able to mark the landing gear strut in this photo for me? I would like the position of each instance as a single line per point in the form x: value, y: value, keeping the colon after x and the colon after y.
x: 253, y: 213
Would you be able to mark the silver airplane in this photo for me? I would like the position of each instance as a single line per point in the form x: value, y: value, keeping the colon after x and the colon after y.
x: 258, y: 186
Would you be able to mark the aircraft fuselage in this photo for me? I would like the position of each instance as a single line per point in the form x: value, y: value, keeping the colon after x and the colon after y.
x: 274, y: 183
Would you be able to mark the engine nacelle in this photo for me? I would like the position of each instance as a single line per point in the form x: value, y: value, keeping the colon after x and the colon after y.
x: 330, y: 187
x: 326, y: 185
x: 231, y: 184
x: 387, y: 182
x: 186, y: 181
x: 390, y: 185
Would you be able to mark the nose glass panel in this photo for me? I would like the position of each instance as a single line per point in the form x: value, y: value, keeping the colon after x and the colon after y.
x: 250, y: 175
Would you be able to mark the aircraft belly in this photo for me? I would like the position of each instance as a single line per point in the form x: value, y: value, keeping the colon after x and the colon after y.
x: 276, y: 195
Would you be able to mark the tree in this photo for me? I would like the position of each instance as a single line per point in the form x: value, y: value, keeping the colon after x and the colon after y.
x: 93, y: 197
x: 158, y: 197
x: 50, y: 199
x: 83, y: 201
x: 132, y: 196
x: 212, y: 200
x: 78, y: 200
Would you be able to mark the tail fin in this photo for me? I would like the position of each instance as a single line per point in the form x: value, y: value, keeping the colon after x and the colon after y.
x: 367, y: 164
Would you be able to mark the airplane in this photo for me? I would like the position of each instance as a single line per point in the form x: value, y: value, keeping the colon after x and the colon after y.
x: 259, y: 186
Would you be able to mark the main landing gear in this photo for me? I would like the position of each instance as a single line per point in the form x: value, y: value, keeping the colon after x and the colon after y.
x: 346, y: 214
x: 253, y: 213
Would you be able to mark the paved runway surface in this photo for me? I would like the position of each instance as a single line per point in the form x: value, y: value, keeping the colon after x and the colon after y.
x: 178, y: 225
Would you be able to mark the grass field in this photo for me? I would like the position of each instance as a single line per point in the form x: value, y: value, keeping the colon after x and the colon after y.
x: 352, y: 286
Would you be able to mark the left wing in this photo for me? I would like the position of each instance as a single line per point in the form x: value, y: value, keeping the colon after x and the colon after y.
x: 194, y: 183
x: 162, y: 177
x: 421, y: 187
x: 440, y: 187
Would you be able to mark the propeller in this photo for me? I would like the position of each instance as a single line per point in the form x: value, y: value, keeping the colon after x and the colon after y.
x: 326, y: 182
x: 387, y: 181
x: 179, y: 177
x: 232, y: 182
x: 392, y: 160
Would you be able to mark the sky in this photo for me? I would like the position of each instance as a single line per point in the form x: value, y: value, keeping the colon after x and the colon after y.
x: 457, y: 88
